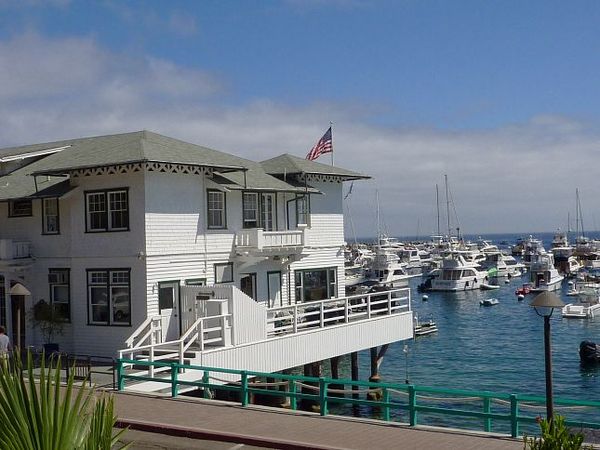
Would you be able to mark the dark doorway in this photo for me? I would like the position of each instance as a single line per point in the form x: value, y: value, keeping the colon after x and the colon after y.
x: 17, y: 304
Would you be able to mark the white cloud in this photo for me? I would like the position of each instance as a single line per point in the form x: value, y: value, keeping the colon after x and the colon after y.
x: 520, y: 177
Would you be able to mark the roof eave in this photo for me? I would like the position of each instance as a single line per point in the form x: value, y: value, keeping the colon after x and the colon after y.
x: 65, y: 170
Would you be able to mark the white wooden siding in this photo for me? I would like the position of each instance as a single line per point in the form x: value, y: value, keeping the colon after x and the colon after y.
x: 315, y: 345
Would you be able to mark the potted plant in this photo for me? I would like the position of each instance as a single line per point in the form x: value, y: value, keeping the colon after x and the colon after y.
x: 49, y: 323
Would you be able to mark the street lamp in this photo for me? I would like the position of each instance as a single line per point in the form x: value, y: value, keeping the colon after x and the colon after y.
x: 544, y: 305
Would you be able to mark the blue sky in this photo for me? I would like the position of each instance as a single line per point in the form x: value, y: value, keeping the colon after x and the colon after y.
x: 503, y: 96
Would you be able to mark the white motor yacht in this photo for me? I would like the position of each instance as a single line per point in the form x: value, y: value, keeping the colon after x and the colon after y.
x: 387, y: 269
x: 456, y: 274
x: 543, y: 275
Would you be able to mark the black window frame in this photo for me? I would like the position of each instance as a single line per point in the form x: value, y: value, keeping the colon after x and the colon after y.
x: 107, y: 212
x: 63, y: 270
x: 221, y: 265
x: 195, y: 282
x: 44, y: 220
x: 223, y: 226
x: 11, y: 207
x: 110, y: 322
x: 331, y: 283
x: 260, y: 203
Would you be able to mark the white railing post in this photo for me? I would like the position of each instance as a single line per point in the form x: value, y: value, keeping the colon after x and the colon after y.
x: 260, y: 239
x: 346, y: 312
x: 322, y: 315
x: 181, y: 352
x: 201, y: 335
x: 368, y: 306
x: 151, y: 360
x: 295, y: 319
x: 389, y: 299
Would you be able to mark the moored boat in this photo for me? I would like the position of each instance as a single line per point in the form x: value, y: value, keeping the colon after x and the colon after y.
x: 424, y: 328
x: 589, y: 352
x: 489, y: 302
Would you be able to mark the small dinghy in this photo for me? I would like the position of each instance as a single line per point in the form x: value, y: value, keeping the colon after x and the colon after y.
x: 489, y: 302
x: 488, y: 287
x: 589, y: 352
x: 424, y: 328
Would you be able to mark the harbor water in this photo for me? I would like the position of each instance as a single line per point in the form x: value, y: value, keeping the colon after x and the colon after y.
x: 498, y: 348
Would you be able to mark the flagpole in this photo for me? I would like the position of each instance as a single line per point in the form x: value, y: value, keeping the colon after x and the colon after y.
x: 331, y: 126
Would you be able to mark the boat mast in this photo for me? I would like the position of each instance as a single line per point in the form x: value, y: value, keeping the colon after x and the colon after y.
x: 447, y: 206
x: 378, y: 219
x: 437, y: 204
x: 579, y: 218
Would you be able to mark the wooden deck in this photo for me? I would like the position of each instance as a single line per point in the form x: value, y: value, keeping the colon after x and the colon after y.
x: 256, y: 426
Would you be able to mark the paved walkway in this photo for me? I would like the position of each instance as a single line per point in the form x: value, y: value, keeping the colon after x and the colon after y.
x: 274, y: 428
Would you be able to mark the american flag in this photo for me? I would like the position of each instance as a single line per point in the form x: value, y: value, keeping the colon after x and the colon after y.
x: 325, y: 145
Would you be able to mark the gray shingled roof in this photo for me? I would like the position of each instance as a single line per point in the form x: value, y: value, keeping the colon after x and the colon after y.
x: 140, y: 146
x: 289, y: 164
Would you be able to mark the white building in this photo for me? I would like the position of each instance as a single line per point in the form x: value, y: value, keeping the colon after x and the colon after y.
x: 118, y: 232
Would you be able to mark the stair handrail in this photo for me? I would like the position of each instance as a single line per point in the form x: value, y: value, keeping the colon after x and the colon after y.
x: 148, y: 323
x: 198, y: 326
x: 180, y: 343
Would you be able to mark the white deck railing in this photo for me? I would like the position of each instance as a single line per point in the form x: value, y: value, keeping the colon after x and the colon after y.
x: 322, y: 313
x: 256, y: 238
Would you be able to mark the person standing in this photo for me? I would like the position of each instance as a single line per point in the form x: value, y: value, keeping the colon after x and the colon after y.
x: 4, y: 343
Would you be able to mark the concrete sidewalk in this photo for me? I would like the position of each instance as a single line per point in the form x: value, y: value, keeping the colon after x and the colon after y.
x: 274, y: 428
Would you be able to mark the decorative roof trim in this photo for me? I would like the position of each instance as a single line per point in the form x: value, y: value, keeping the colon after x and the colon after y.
x: 147, y: 164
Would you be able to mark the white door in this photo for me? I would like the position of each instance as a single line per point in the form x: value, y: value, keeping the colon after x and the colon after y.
x: 274, y: 284
x: 168, y: 304
x: 267, y: 206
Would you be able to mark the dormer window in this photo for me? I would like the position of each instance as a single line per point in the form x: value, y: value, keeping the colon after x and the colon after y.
x: 107, y: 210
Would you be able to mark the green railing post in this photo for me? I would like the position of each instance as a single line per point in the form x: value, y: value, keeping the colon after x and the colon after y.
x: 386, y: 401
x: 205, y: 381
x: 323, y: 396
x: 174, y: 387
x: 244, y: 388
x: 487, y: 408
x: 514, y: 416
x: 293, y: 399
x: 120, y: 378
x: 412, y: 405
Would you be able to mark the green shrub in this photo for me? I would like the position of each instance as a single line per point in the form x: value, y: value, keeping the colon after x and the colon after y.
x: 555, y: 436
x: 43, y: 414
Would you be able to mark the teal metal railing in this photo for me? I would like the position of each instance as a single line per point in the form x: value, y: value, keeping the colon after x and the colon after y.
x: 485, y: 408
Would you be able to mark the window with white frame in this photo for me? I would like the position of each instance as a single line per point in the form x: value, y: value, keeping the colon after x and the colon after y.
x: 315, y: 284
x: 109, y: 296
x: 50, y: 222
x: 107, y: 210
x: 60, y: 295
x: 224, y: 273
x: 216, y: 209
x: 250, y: 209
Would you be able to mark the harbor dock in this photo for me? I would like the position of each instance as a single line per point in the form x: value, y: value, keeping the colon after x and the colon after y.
x: 262, y: 427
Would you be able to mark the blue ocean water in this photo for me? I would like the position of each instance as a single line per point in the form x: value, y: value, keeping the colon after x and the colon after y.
x: 497, y: 348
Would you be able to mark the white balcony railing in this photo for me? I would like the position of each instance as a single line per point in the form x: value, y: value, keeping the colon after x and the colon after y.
x: 13, y: 249
x: 322, y: 313
x: 257, y: 238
